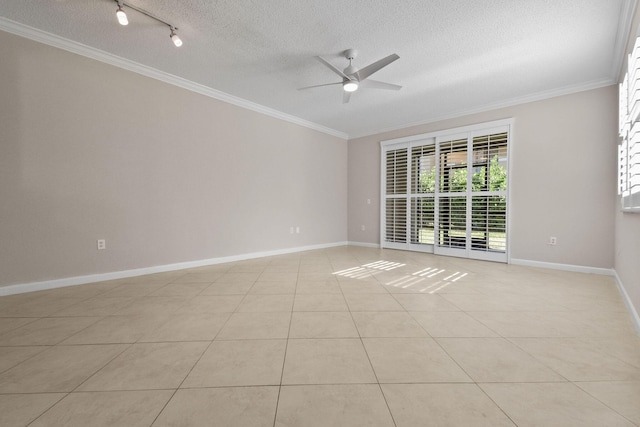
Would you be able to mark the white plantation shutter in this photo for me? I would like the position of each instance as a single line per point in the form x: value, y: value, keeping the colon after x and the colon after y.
x: 408, y: 199
x: 397, y: 172
x: 453, y: 166
x: 623, y: 109
x: 423, y: 182
x: 452, y: 195
x: 452, y: 222
x: 489, y: 192
x: 396, y: 220
x: 629, y: 130
x: 422, y: 220
x: 633, y: 106
x: 623, y: 130
x: 396, y: 196
x: 488, y: 223
x: 631, y: 193
x: 623, y: 177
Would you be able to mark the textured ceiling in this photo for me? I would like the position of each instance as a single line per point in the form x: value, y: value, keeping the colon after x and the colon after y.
x: 456, y: 56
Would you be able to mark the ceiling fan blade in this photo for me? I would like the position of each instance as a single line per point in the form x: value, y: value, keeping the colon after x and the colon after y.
x: 346, y: 96
x: 372, y: 68
x: 332, y: 67
x: 374, y: 84
x: 326, y: 84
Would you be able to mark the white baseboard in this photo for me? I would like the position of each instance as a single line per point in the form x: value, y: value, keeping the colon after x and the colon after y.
x: 565, y: 267
x: 93, y: 278
x: 364, y: 245
x: 635, y: 318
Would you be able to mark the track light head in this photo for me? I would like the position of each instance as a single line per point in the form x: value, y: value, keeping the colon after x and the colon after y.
x: 122, y: 17
x: 174, y: 38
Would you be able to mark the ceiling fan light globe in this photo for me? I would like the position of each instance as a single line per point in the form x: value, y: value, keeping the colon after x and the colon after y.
x: 350, y: 86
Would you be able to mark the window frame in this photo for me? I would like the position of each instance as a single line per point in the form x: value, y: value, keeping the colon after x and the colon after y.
x: 628, y: 176
x: 436, y: 138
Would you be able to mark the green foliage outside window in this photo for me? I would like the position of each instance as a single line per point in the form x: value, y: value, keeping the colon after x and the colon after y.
x: 489, y: 212
x: 457, y: 181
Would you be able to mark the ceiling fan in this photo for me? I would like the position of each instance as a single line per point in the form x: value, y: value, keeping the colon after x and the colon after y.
x: 352, y: 78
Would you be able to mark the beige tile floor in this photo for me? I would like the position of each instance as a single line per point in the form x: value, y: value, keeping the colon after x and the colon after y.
x: 345, y: 336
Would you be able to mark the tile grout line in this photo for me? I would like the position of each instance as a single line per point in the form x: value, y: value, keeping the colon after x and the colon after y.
x: 47, y: 409
x: 601, y: 401
x: 384, y: 397
x: 82, y: 382
x: 175, y: 391
x: 286, y: 347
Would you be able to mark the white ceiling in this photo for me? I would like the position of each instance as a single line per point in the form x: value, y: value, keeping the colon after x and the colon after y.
x: 456, y: 56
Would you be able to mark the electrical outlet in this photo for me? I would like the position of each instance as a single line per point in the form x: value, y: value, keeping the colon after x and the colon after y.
x: 102, y: 244
x: 368, y: 201
x: 553, y: 241
x: 362, y: 227
x: 298, y: 230
x: 290, y: 230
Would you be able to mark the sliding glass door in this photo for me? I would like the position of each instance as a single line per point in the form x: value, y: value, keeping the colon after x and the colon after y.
x: 447, y: 193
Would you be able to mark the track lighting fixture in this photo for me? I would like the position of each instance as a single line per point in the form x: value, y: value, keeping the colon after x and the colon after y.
x: 122, y: 19
x: 174, y: 38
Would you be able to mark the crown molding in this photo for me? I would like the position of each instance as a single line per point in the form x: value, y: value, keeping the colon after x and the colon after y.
x: 108, y: 58
x: 627, y: 11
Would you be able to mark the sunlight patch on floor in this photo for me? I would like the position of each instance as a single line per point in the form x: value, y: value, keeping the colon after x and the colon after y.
x: 384, y: 265
x: 360, y: 272
x: 415, y: 279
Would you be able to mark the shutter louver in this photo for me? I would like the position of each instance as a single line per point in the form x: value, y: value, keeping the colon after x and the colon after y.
x: 488, y: 223
x: 452, y: 222
x: 396, y: 218
x: 422, y: 220
x: 453, y: 166
x: 623, y: 112
x: 622, y: 168
x: 397, y: 171
x: 632, y: 191
x: 633, y: 106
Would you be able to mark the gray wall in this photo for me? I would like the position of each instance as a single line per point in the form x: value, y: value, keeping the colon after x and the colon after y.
x: 563, y: 177
x: 89, y: 151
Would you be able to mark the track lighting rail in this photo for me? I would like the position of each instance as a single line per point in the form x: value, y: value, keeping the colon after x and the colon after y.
x: 123, y: 20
